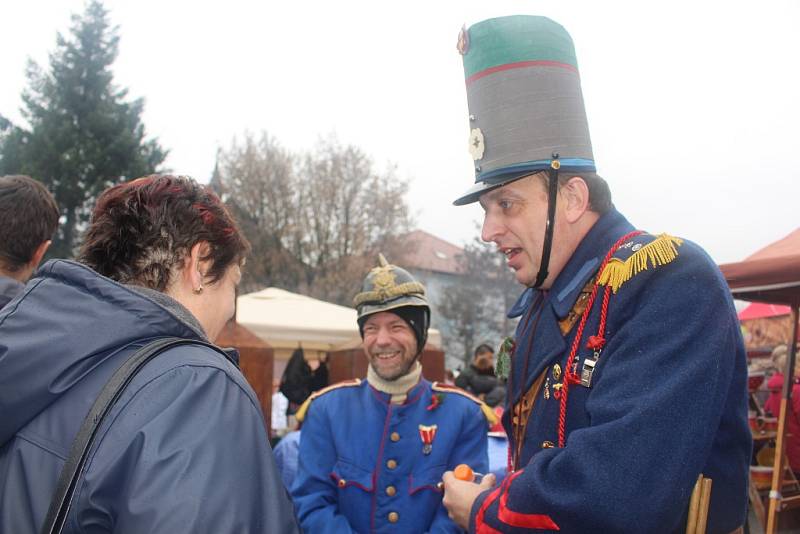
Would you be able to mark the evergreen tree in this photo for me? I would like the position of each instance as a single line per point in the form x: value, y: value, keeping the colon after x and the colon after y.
x: 83, y: 133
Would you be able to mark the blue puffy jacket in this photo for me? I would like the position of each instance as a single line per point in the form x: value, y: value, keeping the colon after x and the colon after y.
x: 185, y: 448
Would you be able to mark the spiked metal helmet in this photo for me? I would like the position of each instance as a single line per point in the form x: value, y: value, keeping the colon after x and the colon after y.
x: 526, y: 112
x: 388, y: 287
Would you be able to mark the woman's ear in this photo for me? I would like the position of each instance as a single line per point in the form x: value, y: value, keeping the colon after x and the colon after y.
x: 196, y: 267
x: 575, y: 195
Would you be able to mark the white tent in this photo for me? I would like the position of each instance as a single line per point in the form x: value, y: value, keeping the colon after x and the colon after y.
x: 288, y: 320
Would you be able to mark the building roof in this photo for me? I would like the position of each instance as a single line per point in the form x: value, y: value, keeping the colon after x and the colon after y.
x: 430, y: 253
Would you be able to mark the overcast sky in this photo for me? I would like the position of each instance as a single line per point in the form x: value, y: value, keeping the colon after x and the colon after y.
x: 693, y: 105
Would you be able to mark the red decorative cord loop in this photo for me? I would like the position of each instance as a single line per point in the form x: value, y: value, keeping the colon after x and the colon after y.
x: 570, y: 374
x: 595, y: 342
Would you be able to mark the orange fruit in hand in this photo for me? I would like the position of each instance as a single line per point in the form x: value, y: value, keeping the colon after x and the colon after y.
x: 464, y: 472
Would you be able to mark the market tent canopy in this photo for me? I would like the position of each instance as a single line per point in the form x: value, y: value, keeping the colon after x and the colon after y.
x: 788, y: 246
x: 770, y: 275
x: 289, y: 320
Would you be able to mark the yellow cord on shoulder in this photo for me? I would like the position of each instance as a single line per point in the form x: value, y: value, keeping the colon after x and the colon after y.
x: 489, y: 414
x: 660, y: 251
x: 300, y: 414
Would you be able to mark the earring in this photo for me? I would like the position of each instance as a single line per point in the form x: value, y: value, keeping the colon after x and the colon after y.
x: 198, y: 290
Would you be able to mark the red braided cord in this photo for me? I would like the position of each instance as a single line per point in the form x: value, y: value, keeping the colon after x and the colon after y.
x: 569, y: 376
x: 604, y: 312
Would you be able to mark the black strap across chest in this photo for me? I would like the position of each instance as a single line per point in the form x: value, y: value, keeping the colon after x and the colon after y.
x: 73, y: 467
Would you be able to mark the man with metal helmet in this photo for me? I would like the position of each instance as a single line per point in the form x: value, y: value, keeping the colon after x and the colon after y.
x: 373, y: 452
x: 627, y: 374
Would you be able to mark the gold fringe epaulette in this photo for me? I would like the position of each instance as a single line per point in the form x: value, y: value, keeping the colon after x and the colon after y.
x: 660, y: 251
x: 447, y: 388
x: 301, y: 412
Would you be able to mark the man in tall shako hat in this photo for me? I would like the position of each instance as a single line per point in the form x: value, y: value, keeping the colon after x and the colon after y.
x: 373, y: 452
x: 627, y: 374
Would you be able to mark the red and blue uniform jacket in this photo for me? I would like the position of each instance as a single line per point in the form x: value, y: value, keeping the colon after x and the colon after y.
x: 362, y: 464
x: 667, y: 399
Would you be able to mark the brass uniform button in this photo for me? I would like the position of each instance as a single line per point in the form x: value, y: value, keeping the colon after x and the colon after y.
x: 342, y: 483
x: 393, y: 517
x: 391, y: 464
x: 395, y: 436
x: 548, y: 445
x: 390, y: 491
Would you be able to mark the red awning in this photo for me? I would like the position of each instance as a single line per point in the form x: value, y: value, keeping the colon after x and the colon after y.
x: 760, y: 310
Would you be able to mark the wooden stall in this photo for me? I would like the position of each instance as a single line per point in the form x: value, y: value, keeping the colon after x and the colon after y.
x: 255, y: 361
x: 772, y: 275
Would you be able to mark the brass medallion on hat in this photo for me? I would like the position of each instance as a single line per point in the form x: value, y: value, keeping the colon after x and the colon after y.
x: 525, y: 102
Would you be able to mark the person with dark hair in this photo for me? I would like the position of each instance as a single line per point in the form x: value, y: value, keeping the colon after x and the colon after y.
x: 28, y: 220
x: 299, y: 380
x: 185, y: 448
x: 372, y: 452
x: 627, y: 375
x: 479, y: 379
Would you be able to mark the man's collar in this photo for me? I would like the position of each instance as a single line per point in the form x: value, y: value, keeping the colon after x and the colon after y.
x: 401, y: 387
x: 522, y: 303
x: 586, y: 259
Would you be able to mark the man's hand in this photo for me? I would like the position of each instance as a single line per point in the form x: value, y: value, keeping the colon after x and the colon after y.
x: 460, y: 495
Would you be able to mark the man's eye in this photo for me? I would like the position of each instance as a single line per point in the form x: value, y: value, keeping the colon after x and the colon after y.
x: 505, y: 204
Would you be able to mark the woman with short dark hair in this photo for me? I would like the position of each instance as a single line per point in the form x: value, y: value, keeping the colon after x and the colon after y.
x: 185, y: 448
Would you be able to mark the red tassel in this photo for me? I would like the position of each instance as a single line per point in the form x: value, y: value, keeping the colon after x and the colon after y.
x: 595, y: 342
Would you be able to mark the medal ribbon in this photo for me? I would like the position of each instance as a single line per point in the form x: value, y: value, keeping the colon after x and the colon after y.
x: 427, y: 433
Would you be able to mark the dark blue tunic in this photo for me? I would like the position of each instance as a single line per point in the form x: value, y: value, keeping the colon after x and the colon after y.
x: 667, y: 400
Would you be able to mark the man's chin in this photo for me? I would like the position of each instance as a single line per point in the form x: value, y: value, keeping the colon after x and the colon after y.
x: 393, y: 373
x: 524, y: 278
x: 389, y: 376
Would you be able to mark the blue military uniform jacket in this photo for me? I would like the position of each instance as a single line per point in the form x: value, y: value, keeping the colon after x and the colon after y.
x: 666, y: 401
x: 362, y: 467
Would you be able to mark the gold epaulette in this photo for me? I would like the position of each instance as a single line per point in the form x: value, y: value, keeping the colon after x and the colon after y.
x: 301, y: 412
x: 448, y: 388
x: 659, y: 251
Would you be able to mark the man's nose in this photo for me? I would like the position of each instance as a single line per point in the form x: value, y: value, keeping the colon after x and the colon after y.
x: 490, y: 230
x: 383, y: 338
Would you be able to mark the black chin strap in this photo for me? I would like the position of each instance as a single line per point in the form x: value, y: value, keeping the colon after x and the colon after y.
x: 552, y: 192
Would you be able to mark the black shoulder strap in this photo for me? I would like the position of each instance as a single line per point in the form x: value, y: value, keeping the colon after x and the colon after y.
x: 73, y: 468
